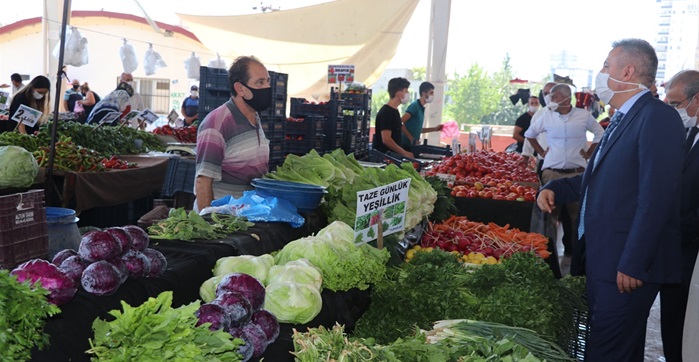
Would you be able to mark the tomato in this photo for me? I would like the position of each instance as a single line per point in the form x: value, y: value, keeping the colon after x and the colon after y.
x: 461, y: 194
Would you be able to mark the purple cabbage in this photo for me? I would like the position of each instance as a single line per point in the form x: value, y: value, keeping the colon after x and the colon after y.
x: 61, y: 287
x: 248, y: 286
x: 158, y: 263
x: 121, y: 236
x: 139, y: 238
x: 268, y: 323
x: 137, y: 264
x: 62, y: 255
x: 98, y: 245
x: 101, y: 278
x: 74, y: 267
x: 214, y: 314
x: 237, y: 307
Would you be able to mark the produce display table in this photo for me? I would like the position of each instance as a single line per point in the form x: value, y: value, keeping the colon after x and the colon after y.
x: 189, y: 265
x: 86, y: 190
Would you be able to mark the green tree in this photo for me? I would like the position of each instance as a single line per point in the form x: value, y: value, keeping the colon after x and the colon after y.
x: 471, y: 96
x: 505, y: 113
x: 419, y: 73
x: 378, y: 99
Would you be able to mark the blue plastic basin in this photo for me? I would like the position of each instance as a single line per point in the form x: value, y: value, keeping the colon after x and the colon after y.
x: 304, y: 199
x: 285, y: 184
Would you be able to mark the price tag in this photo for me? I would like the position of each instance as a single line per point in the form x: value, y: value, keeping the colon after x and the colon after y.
x: 4, y: 97
x: 110, y: 117
x: 148, y: 115
x: 172, y: 117
x: 383, y: 205
x: 26, y: 115
x: 341, y: 72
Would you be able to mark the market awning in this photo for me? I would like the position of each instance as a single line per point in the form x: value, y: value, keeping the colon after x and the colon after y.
x: 302, y: 42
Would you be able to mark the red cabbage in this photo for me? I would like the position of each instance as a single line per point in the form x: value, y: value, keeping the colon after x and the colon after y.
x: 254, y: 335
x: 101, y: 278
x: 214, y: 314
x: 237, y: 307
x: 98, y: 245
x: 246, y: 285
x: 137, y: 263
x: 62, y: 255
x: 139, y: 238
x: 61, y: 288
x: 121, y: 267
x: 74, y: 267
x: 246, y: 350
x: 268, y: 323
x: 158, y: 263
x: 121, y: 236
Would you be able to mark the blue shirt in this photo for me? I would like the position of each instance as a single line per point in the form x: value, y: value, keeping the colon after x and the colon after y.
x: 191, y: 106
x: 414, y: 124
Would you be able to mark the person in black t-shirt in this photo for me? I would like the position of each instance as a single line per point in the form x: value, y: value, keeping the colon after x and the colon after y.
x: 524, y: 121
x: 387, y: 135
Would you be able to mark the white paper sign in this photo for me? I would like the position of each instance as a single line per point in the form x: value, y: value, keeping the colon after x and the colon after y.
x: 384, y: 204
x: 148, y: 115
x: 341, y: 73
x: 27, y: 115
x: 448, y: 178
x: 110, y: 117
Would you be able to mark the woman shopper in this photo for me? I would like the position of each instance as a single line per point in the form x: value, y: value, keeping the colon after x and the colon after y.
x: 34, y: 95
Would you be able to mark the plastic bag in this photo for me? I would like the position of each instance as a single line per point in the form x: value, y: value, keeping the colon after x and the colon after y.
x: 152, y: 61
x: 450, y: 129
x: 257, y: 206
x: 127, y: 53
x: 192, y: 65
x: 76, y: 54
x: 217, y: 63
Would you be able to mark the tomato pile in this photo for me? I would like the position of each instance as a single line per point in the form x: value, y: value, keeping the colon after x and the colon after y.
x: 185, y: 134
x: 488, y: 188
x: 114, y: 163
x: 458, y: 234
x: 496, y: 165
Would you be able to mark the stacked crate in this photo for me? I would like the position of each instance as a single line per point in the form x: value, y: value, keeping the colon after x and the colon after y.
x: 356, y: 109
x: 213, y: 90
x: 314, y: 126
x: 273, y: 120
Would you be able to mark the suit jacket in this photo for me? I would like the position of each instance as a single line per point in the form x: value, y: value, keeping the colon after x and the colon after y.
x: 690, y: 210
x: 632, y: 214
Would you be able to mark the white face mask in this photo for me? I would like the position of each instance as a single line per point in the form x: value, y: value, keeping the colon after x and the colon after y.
x: 554, y: 105
x: 429, y: 99
x: 37, y: 95
x: 533, y: 109
x: 195, y: 93
x: 686, y: 119
x: 406, y: 98
x: 602, y: 89
x: 547, y: 99
x: 130, y: 83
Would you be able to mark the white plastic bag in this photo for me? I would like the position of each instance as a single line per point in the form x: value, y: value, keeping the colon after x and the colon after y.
x: 217, y: 63
x: 76, y: 54
x: 127, y: 53
x: 192, y: 65
x: 152, y: 61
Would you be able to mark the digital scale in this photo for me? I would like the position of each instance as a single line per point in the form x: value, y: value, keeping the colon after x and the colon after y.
x: 181, y: 148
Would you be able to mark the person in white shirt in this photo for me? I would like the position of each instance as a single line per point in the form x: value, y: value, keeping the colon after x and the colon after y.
x: 566, y: 134
x: 136, y: 101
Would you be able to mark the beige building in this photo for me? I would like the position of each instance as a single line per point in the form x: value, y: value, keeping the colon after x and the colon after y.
x: 22, y: 49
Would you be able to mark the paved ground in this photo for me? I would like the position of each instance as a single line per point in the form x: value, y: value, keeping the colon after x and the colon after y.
x: 654, y: 344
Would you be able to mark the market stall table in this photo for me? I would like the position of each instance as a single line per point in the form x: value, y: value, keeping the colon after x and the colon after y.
x: 189, y: 265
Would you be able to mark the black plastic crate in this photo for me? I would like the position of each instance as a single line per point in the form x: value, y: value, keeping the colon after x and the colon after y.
x: 352, y: 101
x: 333, y: 141
x: 276, y: 150
x: 275, y: 136
x: 302, y: 147
x: 276, y: 109
x: 428, y: 149
x: 349, y: 143
x: 23, y: 228
x: 213, y: 80
x: 300, y: 107
x: 179, y: 176
x: 309, y: 126
x: 279, y: 83
x: 275, y: 125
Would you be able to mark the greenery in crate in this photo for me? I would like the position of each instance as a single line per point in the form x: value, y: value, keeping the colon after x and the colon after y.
x: 23, y: 313
x: 444, y: 206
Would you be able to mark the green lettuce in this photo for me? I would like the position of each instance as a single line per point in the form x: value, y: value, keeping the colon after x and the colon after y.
x: 18, y: 167
x: 292, y: 302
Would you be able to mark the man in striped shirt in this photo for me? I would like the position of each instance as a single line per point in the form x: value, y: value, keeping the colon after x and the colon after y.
x: 231, y: 146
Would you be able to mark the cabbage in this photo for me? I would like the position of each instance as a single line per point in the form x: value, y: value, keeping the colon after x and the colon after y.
x: 256, y: 266
x: 293, y: 303
x: 60, y: 286
x: 18, y: 167
x: 250, y: 287
x: 207, y: 291
x: 342, y: 264
x: 299, y: 271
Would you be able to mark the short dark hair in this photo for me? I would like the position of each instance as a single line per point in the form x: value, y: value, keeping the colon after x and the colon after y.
x: 239, y: 71
x: 426, y: 87
x: 641, y: 54
x: 396, y: 84
x: 15, y: 77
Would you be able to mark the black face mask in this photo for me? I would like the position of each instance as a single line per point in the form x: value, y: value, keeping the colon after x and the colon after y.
x: 261, y: 98
x: 75, y: 87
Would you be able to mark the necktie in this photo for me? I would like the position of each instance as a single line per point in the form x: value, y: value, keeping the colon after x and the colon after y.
x: 613, y: 123
x: 690, y: 139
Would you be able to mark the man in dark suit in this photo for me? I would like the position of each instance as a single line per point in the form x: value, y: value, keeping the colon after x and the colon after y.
x: 682, y: 93
x: 629, y: 205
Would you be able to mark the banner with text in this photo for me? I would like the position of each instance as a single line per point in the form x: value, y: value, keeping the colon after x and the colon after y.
x: 383, y: 204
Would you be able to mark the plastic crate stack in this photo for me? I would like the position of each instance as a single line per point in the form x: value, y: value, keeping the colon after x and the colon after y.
x: 213, y: 89
x: 23, y: 228
x: 314, y: 126
x: 356, y: 109
x: 273, y: 120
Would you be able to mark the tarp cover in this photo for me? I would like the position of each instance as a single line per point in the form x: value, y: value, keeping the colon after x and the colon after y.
x: 302, y: 42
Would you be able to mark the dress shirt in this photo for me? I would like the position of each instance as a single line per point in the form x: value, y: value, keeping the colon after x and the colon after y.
x: 566, y: 135
x: 694, y: 142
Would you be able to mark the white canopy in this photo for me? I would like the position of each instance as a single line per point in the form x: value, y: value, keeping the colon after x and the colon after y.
x: 302, y: 42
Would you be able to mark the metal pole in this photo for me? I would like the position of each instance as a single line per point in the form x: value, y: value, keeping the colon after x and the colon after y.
x: 54, y: 127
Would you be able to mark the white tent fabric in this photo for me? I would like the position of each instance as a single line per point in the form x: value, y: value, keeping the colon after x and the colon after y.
x: 302, y: 42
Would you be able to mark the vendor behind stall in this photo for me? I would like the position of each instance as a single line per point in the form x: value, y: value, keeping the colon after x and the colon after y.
x: 231, y: 146
x: 388, y: 122
x: 116, y: 101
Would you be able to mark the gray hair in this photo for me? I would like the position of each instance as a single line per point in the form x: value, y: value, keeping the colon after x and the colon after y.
x: 641, y: 54
x: 688, y: 80
x: 562, y: 89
